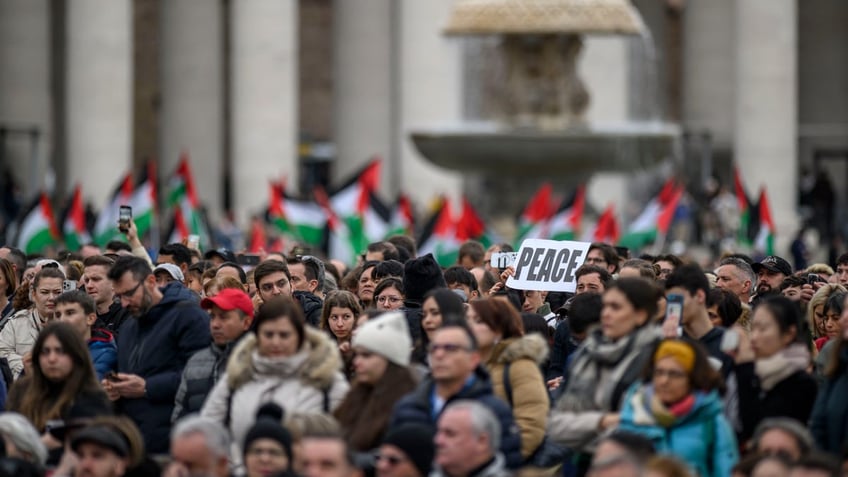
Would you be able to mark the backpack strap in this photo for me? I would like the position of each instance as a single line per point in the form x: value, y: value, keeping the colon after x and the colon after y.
x: 326, y: 392
x: 507, y: 384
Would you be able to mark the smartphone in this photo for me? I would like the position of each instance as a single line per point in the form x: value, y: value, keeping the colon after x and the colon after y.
x: 112, y: 376
x: 730, y: 341
x: 248, y: 259
x: 673, y: 311
x: 124, y: 217
x: 69, y: 285
x: 813, y: 278
x: 193, y: 242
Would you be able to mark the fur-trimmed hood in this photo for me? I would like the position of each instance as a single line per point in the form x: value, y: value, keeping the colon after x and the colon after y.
x: 530, y: 346
x: 319, y: 360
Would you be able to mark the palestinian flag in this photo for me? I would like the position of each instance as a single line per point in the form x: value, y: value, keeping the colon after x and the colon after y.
x: 606, y: 230
x: 565, y: 224
x: 533, y: 222
x: 764, y: 241
x: 747, y: 226
x: 74, y: 227
x: 655, y: 220
x: 402, y: 221
x: 143, y: 200
x: 339, y: 244
x: 188, y: 219
x: 439, y: 235
x: 258, y: 239
x: 37, y: 227
x: 298, y: 220
x: 471, y: 227
x: 354, y: 205
x: 106, y: 226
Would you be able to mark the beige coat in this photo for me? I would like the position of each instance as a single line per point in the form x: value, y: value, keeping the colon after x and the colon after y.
x: 530, y: 402
x: 18, y: 337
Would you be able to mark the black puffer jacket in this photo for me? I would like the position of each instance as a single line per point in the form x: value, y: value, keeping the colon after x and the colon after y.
x: 311, y: 306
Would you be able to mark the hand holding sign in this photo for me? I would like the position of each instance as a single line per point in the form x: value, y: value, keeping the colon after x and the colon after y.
x: 548, y: 265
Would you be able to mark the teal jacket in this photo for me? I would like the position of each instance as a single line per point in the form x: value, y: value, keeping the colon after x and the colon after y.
x: 702, y: 438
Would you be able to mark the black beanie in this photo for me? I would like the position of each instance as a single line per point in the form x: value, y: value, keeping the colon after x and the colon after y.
x: 268, y: 426
x: 416, y: 441
x: 421, y: 275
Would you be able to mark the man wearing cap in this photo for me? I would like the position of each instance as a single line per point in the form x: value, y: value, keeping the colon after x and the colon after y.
x: 219, y: 256
x: 166, y: 273
x: 230, y: 316
x: 407, y: 451
x: 176, y: 254
x: 101, y: 452
x: 770, y: 274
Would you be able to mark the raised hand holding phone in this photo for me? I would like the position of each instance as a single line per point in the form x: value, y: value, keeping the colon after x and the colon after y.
x: 673, y: 314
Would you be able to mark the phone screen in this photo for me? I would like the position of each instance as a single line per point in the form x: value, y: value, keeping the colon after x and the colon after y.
x: 673, y: 310
x: 69, y: 285
x: 124, y: 217
x: 248, y: 259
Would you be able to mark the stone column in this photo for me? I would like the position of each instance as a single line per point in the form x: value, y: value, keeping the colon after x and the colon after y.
x: 430, y: 92
x: 99, y: 95
x: 25, y: 96
x: 363, y: 95
x: 766, y: 106
x: 192, y: 92
x: 264, y: 99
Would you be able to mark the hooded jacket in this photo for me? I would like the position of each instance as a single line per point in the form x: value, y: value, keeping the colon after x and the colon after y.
x: 156, y: 347
x: 297, y: 383
x: 417, y: 406
x: 104, y: 352
x: 702, y: 437
x: 311, y: 306
x: 529, y: 401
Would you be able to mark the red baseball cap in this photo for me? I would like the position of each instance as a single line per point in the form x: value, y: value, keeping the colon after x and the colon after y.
x: 230, y: 299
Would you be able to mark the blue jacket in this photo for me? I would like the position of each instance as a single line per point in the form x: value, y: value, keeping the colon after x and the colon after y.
x: 104, y: 352
x: 417, y: 406
x: 156, y: 347
x: 702, y: 438
x: 829, y: 422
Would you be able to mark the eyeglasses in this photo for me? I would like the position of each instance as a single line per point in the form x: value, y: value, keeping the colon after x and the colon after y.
x: 449, y: 348
x: 669, y: 373
x: 129, y: 294
x: 392, y: 460
x: 389, y: 299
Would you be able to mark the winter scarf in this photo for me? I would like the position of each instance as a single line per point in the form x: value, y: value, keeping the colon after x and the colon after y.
x: 776, y: 368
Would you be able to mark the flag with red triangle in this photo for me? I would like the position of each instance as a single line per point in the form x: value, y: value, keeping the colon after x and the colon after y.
x: 106, y: 226
x: 439, y: 235
x: 144, y: 201
x: 36, y: 228
x: 298, y: 220
x: 470, y: 226
x: 606, y: 229
x: 356, y: 205
x: 339, y: 244
x: 566, y: 221
x: 402, y: 221
x: 188, y: 218
x: 74, y: 228
x: 747, y: 223
x: 655, y: 220
x: 534, y: 221
x: 258, y: 239
x: 764, y: 241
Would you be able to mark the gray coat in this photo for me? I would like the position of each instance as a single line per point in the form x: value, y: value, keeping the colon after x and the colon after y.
x: 199, y: 377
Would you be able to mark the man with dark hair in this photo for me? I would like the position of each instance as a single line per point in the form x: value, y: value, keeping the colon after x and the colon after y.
x: 471, y: 254
x: 842, y: 269
x: 231, y: 269
x: 689, y: 282
x: 584, y: 310
x: 592, y: 279
x: 817, y: 464
x: 602, y: 255
x: 327, y: 455
x: 230, y: 316
x: 307, y: 283
x: 167, y: 328
x: 115, y: 247
x: 387, y: 269
x: 175, y: 253
x: 110, y: 314
x: 17, y: 258
x: 380, y: 251
x: 77, y: 309
x: 457, y: 374
x: 771, y: 272
x: 667, y: 264
x: 459, y: 278
x: 405, y: 245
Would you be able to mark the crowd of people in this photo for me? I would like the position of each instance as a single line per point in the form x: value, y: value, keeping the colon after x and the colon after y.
x: 198, y: 364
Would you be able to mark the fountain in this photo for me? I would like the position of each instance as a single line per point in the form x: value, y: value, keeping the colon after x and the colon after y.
x: 534, y: 123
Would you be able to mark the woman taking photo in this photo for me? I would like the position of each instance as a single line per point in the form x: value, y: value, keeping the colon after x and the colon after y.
x: 611, y: 358
x: 512, y: 359
x: 389, y: 294
x: 382, y: 347
x: 286, y: 362
x: 338, y: 319
x: 61, y: 373
x: 772, y: 376
x: 679, y: 409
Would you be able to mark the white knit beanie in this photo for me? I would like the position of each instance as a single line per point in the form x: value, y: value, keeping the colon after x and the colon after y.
x: 386, y: 335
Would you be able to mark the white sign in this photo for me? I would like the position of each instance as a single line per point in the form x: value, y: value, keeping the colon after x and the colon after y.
x: 503, y: 259
x: 548, y: 265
